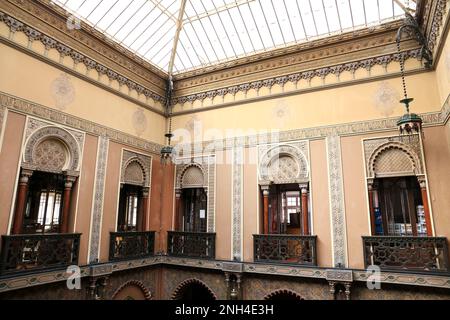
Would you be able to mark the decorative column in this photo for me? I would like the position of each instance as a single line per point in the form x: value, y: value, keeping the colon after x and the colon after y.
x: 426, y: 205
x: 145, y: 201
x: 305, y: 217
x: 25, y: 175
x: 68, y: 184
x: 265, y: 190
x: 371, y: 206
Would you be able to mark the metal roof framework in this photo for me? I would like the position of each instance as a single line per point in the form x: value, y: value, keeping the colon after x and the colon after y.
x: 183, y: 35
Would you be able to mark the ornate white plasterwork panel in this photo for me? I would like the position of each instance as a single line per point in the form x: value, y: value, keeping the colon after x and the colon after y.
x: 206, y: 165
x: 284, y: 163
x: 99, y: 190
x: 139, y: 121
x: 52, y: 148
x: 136, y: 168
x: 337, y: 205
x: 63, y: 91
x: 393, y: 156
x: 237, y: 201
x: 386, y: 99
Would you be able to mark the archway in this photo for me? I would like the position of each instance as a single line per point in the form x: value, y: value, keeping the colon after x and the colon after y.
x: 132, y: 290
x: 283, y: 295
x: 193, y: 290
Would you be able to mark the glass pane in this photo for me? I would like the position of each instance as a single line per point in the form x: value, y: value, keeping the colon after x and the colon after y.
x: 219, y: 30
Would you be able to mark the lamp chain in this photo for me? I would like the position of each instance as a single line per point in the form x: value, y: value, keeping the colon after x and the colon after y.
x: 402, y: 71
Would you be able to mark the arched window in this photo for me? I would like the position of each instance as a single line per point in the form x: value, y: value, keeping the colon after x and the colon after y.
x: 133, y: 198
x: 44, y: 203
x: 192, y: 200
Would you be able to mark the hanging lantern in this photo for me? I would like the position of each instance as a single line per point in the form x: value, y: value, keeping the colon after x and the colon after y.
x: 167, y: 151
x: 409, y: 123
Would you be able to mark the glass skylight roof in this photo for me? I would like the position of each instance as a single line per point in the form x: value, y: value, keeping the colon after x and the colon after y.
x: 215, y: 31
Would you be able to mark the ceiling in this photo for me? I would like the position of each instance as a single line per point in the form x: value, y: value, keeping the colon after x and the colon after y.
x: 216, y: 31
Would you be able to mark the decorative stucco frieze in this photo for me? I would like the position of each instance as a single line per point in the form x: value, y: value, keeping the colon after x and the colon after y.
x: 237, y: 201
x: 64, y: 50
x: 337, y: 206
x: 436, y: 23
x: 65, y: 119
x: 97, y: 208
x: 306, y: 75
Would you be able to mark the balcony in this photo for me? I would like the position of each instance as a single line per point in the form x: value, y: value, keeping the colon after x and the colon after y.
x: 191, y: 244
x: 37, y: 252
x: 406, y: 253
x: 285, y: 249
x: 131, y: 245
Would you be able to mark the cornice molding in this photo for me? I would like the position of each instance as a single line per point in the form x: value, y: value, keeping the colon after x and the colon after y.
x: 15, y: 282
x: 33, y: 109
x: 321, y: 72
x: 128, y: 78
x: 436, y: 22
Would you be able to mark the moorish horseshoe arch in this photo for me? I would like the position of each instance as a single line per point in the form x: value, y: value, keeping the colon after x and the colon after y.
x: 178, y: 292
x: 192, y: 175
x: 135, y: 172
x: 283, y: 164
x: 389, y: 158
x: 133, y: 284
x: 61, y: 145
x: 284, y: 292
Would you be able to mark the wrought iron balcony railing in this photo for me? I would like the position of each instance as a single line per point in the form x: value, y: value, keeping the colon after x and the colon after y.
x: 406, y: 253
x: 191, y: 244
x: 131, y: 245
x: 285, y: 249
x: 36, y: 252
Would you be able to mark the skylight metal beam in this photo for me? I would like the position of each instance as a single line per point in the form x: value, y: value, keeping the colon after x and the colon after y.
x: 179, y: 25
x: 216, y: 10
x: 164, y: 10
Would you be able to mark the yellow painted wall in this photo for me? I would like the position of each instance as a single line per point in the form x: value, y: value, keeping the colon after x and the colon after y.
x: 443, y: 70
x: 28, y: 78
x: 319, y: 108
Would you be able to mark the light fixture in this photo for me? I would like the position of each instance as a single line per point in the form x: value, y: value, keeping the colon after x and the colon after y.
x: 167, y: 151
x: 410, y: 123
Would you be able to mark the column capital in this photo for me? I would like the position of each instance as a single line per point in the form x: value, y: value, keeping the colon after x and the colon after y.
x: 177, y: 193
x: 265, y: 190
x: 25, y: 175
x: 69, y: 181
x: 145, y: 192
x: 422, y: 181
x: 304, y: 187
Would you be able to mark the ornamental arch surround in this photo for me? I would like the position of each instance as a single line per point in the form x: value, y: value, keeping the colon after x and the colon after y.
x: 136, y: 169
x: 52, y: 149
x: 183, y: 286
x: 133, y: 289
x: 283, y: 294
x: 393, y: 157
x: 284, y: 164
